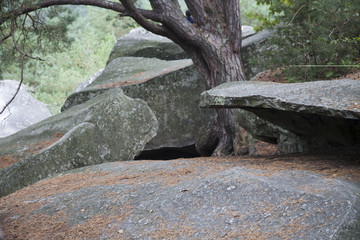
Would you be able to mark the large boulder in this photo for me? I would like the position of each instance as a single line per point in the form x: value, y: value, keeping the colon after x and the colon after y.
x: 140, y: 64
x: 125, y: 71
x: 110, y: 127
x: 22, y: 112
x: 142, y: 43
x: 171, y: 88
x: 216, y: 198
x: 322, y: 113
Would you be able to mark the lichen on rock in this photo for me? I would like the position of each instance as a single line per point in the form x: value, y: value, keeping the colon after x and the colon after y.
x: 109, y: 127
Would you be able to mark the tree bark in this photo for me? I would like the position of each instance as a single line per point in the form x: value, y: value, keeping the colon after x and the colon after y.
x: 213, y: 42
x: 220, y: 59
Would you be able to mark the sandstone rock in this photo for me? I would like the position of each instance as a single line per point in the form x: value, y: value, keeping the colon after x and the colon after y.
x: 189, y: 199
x: 110, y: 127
x: 247, y: 31
x: 323, y: 113
x: 125, y: 71
x: 175, y: 108
x: 23, y: 111
x: 88, y: 81
x: 263, y: 130
x: 171, y: 88
x: 141, y: 43
x: 252, y: 47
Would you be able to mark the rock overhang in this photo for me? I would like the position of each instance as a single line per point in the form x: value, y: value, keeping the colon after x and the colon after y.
x: 322, y: 112
x: 337, y: 98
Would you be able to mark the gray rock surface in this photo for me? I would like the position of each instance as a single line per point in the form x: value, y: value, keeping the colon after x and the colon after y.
x: 321, y: 113
x: 125, y: 71
x: 247, y: 31
x: 185, y: 199
x: 263, y: 130
x: 23, y: 111
x: 171, y: 88
x: 110, y: 127
x: 252, y: 47
x: 142, y: 43
x: 88, y: 81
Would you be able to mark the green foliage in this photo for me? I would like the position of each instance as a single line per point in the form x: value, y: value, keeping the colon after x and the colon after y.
x: 35, y: 34
x: 103, y: 21
x: 314, y: 33
x: 253, y: 14
x: 93, y: 36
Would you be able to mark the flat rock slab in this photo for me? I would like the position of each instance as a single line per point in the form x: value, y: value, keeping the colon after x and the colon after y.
x: 142, y: 43
x: 206, y: 198
x: 307, y: 109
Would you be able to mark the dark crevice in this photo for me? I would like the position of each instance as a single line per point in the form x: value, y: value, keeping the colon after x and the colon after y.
x: 168, y: 153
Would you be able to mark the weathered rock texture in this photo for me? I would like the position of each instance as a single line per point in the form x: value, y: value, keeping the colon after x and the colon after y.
x: 142, y: 43
x: 171, y: 88
x: 252, y: 48
x: 110, y: 127
x: 323, y: 113
x: 124, y: 71
x: 139, y: 63
x: 231, y: 198
x: 247, y: 31
x: 23, y: 111
x: 263, y: 130
x: 88, y: 81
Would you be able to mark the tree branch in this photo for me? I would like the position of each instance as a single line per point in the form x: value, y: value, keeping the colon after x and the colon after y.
x: 48, y: 3
x: 18, y: 88
x: 17, y: 47
x: 5, y: 37
x: 96, y: 3
x: 32, y: 20
x: 197, y: 10
x: 174, y: 20
x: 23, y: 55
x: 133, y: 12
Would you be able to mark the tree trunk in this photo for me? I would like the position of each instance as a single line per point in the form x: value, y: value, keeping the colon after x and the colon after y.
x: 213, y: 42
x: 218, y: 59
